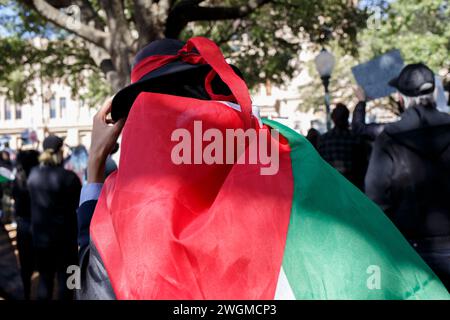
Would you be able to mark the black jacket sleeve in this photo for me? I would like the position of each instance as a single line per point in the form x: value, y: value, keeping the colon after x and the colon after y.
x: 85, y: 213
x: 359, y: 126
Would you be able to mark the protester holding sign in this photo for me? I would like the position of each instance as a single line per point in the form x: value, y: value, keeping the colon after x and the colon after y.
x: 409, y: 170
x: 372, y: 78
x: 359, y: 125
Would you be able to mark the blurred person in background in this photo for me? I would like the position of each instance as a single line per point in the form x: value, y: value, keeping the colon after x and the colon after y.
x: 25, y: 161
x: 313, y: 137
x: 77, y: 162
x: 54, y: 193
x: 409, y: 170
x: 344, y: 150
x: 11, y: 154
x: 368, y: 131
x: 5, y: 160
x: 6, y: 165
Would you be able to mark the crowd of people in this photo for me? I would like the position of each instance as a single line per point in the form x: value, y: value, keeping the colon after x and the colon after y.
x: 404, y: 166
x: 46, y: 194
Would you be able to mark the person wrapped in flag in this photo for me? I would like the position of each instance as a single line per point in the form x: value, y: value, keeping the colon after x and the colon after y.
x: 210, y: 202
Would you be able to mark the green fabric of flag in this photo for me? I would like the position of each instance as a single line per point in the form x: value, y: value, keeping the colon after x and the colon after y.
x: 340, y: 245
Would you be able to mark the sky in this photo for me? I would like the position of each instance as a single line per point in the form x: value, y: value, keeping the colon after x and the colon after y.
x: 5, y: 11
x: 9, y: 15
x: 372, y: 3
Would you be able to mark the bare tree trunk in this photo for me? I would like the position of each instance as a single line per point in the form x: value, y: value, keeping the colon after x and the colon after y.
x: 120, y: 76
x: 102, y: 59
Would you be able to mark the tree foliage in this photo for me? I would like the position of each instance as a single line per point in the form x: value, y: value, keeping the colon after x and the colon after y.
x: 34, y: 52
x: 419, y: 29
x: 262, y: 37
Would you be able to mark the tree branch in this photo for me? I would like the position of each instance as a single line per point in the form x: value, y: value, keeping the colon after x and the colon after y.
x: 143, y: 21
x: 53, y: 15
x: 117, y: 21
x: 89, y: 14
x: 164, y: 7
x: 187, y: 11
x: 224, y: 13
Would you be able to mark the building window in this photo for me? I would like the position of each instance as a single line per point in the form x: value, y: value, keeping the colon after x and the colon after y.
x: 18, y: 112
x: 7, y: 109
x: 62, y: 107
x: 52, y: 108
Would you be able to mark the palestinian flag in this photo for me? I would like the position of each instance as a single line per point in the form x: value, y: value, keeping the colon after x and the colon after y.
x: 201, y: 229
x: 227, y: 232
x: 6, y: 175
x: 339, y: 244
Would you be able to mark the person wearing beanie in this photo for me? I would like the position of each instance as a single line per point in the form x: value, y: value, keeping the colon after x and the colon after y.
x: 54, y: 193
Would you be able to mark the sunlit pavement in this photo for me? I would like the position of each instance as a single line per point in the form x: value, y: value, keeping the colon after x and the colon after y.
x: 10, y: 281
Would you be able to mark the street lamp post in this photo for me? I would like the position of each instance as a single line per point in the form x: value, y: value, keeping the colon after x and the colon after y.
x: 325, y: 65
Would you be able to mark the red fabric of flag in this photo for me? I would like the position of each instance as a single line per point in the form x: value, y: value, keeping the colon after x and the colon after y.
x: 192, y: 231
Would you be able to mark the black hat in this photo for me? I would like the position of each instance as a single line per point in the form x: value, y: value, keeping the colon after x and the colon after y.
x: 153, y: 80
x: 53, y: 142
x: 414, y: 80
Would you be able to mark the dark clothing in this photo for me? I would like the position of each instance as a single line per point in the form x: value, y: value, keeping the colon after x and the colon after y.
x: 359, y: 127
x: 54, y: 195
x: 10, y: 284
x: 22, y: 207
x: 409, y: 176
x: 6, y: 164
x: 409, y: 172
x: 53, y: 261
x: 26, y: 253
x: 84, y: 216
x: 313, y: 137
x: 346, y: 152
x: 95, y: 282
x: 436, y: 253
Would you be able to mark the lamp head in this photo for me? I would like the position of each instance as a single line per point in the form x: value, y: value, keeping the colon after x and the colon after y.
x: 324, y: 63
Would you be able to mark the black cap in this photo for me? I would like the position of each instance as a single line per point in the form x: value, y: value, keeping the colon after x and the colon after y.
x: 167, y: 78
x: 414, y: 80
x: 53, y: 142
x: 149, y: 82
